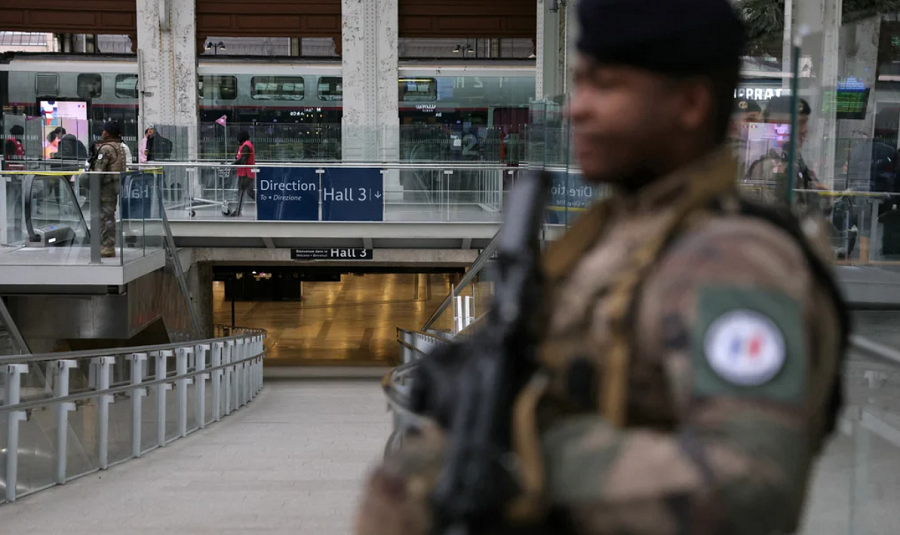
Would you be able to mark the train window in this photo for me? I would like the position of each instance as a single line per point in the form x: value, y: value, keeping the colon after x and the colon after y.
x: 418, y: 89
x: 126, y: 86
x: 46, y: 84
x: 331, y: 88
x: 90, y: 85
x: 277, y: 88
x: 218, y: 87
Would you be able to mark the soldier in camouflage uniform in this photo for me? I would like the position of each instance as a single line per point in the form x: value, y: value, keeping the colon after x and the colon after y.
x: 746, y: 112
x: 110, y: 157
x: 769, y: 172
x: 691, y: 342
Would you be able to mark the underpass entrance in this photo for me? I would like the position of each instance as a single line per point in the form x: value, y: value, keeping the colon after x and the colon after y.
x: 327, y: 316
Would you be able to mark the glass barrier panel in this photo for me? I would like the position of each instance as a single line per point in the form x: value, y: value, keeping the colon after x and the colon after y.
x: 120, y: 429
x: 172, y: 408
x: 149, y: 413
x: 83, y: 448
x: 36, y: 451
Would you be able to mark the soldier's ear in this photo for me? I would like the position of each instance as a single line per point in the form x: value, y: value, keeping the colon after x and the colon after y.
x: 696, y: 104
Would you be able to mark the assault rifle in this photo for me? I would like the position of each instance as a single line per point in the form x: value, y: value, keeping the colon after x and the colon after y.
x: 470, y: 386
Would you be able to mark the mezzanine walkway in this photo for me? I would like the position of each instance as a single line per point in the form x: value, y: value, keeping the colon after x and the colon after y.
x: 291, y: 462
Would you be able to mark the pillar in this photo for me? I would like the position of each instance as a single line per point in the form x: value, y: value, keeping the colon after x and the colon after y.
x: 167, y: 59
x: 822, y: 19
x: 788, y: 43
x: 200, y: 286
x: 371, y: 120
x: 859, y: 59
x: 547, y: 72
x: 557, y: 34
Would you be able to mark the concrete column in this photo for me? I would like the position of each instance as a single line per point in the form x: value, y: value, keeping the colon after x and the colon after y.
x: 167, y: 58
x: 788, y: 44
x: 823, y: 19
x: 370, y: 124
x: 859, y: 59
x: 557, y: 33
x: 200, y: 286
x: 572, y: 30
x: 547, y: 70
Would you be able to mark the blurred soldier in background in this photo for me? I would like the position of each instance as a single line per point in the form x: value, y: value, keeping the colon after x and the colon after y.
x: 690, y: 341
x: 770, y: 170
x: 746, y: 112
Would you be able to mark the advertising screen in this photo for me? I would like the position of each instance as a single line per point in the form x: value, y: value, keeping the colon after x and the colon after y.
x: 60, y: 119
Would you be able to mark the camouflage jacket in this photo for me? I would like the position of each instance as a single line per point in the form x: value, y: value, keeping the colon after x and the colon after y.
x: 110, y: 157
x: 734, y: 352
x: 766, y: 180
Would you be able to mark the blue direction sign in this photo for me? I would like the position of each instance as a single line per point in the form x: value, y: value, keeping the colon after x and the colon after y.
x: 287, y: 194
x: 570, y: 197
x: 353, y: 195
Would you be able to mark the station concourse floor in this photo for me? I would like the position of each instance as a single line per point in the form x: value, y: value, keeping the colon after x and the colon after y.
x: 349, y: 323
x: 293, y: 461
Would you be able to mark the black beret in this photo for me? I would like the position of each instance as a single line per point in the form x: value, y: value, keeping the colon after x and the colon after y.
x: 785, y: 105
x: 746, y: 105
x: 113, y: 129
x: 677, y: 37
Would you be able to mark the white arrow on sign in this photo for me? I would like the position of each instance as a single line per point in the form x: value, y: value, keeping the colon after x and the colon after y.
x: 378, y: 195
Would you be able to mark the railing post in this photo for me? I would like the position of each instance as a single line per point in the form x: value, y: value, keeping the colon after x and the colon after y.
x: 216, y: 361
x: 248, y: 375
x: 245, y: 373
x: 137, y: 402
x: 245, y: 370
x: 181, y: 369
x: 13, y: 391
x: 161, y: 357
x: 254, y: 369
x: 262, y: 367
x: 62, y: 417
x: 229, y: 371
x: 238, y: 372
x: 200, y: 358
x: 103, y: 365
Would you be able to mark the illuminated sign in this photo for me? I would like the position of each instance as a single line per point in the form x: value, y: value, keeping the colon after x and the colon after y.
x: 760, y: 93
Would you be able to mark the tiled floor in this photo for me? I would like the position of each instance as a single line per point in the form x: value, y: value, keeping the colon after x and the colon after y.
x: 291, y: 462
x: 352, y: 322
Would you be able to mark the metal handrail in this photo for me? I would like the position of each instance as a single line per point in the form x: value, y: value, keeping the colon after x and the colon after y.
x: 470, y: 275
x: 88, y: 394
x: 874, y: 349
x: 337, y: 164
x: 93, y: 353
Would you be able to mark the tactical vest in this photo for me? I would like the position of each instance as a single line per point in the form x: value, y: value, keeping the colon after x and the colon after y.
x: 625, y: 296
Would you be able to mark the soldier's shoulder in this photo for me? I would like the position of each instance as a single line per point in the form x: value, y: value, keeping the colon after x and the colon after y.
x: 740, y: 249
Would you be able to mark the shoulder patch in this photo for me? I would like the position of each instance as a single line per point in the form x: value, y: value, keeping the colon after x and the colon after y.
x: 749, y: 343
x: 745, y: 347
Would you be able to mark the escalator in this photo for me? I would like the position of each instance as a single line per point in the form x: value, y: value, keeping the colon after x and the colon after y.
x: 52, y: 212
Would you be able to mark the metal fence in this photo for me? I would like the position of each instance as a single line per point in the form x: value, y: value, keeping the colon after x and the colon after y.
x: 66, y: 415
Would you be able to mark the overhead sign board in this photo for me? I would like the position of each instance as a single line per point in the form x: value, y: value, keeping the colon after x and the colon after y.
x: 287, y: 194
x: 352, y: 195
x: 331, y: 254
